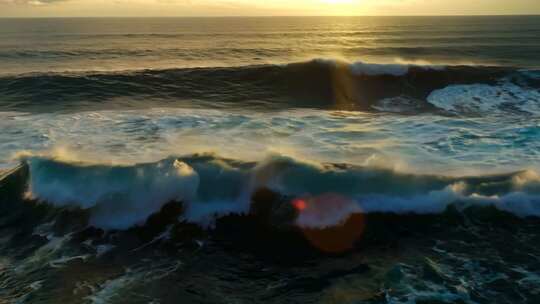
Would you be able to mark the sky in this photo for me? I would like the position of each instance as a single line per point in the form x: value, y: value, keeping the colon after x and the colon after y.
x: 88, y: 8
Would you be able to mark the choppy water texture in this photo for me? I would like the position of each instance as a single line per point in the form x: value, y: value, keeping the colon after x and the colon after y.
x: 270, y: 160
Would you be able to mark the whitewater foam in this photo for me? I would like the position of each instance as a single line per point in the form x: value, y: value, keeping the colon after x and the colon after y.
x: 482, y: 98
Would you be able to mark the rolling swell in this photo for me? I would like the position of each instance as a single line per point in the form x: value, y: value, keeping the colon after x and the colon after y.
x: 317, y: 84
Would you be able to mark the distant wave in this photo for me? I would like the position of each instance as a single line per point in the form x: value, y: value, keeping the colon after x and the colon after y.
x: 324, y: 84
x: 325, y: 195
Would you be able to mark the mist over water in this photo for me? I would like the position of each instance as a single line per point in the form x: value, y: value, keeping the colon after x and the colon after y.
x: 388, y: 159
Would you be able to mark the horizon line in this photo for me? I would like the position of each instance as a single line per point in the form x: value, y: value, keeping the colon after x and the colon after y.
x: 271, y: 16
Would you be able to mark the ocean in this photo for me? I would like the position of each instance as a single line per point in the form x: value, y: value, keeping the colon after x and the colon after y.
x: 270, y: 160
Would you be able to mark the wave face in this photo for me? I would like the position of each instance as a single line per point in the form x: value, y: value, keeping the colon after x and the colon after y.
x: 321, y: 84
x: 120, y: 197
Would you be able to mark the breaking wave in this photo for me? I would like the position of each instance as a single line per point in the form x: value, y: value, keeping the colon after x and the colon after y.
x: 324, y: 195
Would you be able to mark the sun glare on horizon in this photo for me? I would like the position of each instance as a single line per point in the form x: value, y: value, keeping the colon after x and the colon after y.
x: 338, y: 1
x: 97, y: 8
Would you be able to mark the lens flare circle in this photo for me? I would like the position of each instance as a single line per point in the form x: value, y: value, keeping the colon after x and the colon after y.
x: 331, y: 222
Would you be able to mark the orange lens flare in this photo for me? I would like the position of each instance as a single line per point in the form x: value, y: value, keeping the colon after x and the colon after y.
x: 342, y: 235
x: 337, y: 239
x: 299, y: 204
